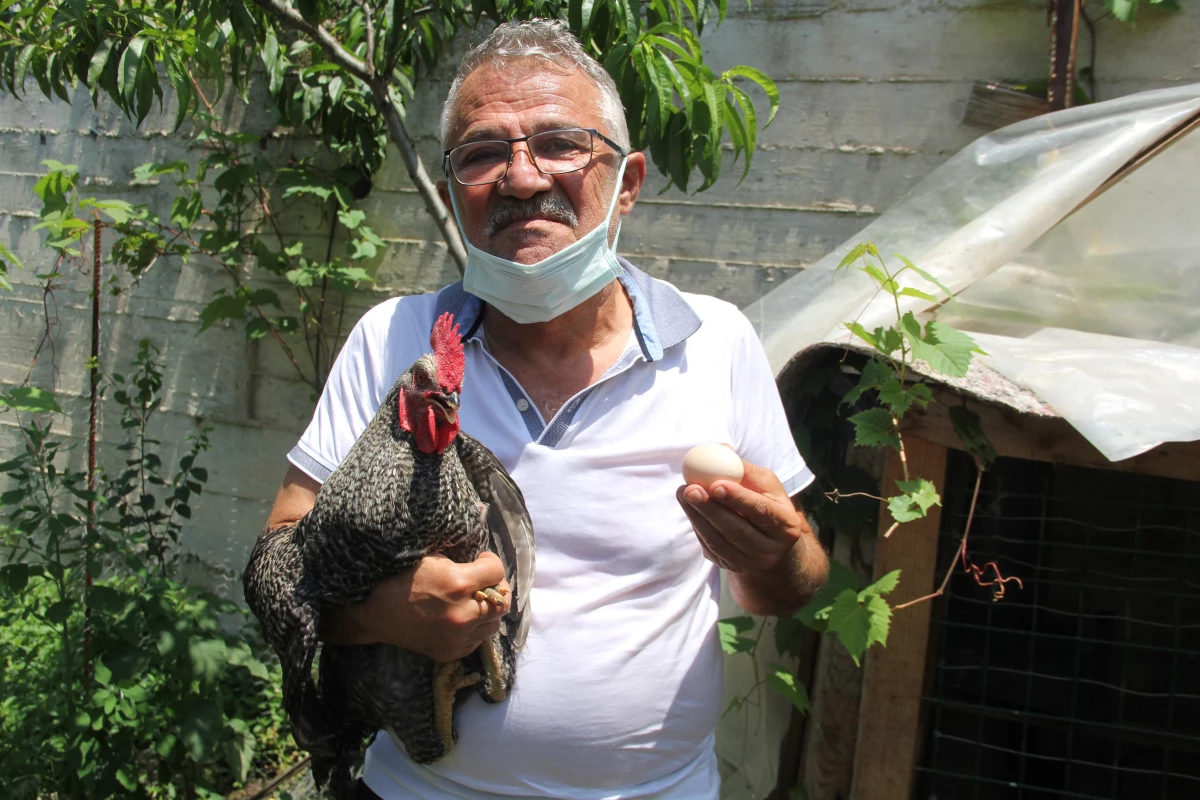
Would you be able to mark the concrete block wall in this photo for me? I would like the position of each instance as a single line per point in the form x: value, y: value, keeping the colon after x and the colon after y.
x: 873, y: 93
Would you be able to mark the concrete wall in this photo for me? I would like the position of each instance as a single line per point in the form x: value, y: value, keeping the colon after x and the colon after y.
x: 873, y: 94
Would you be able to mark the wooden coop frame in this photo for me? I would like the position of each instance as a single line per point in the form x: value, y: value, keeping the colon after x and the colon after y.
x: 864, y: 735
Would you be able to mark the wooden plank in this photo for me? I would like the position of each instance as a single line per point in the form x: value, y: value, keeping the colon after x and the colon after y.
x: 993, y: 105
x: 1049, y: 439
x: 889, y: 729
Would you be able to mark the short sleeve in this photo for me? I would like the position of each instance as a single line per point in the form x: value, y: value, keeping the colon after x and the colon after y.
x: 760, y: 426
x: 349, y: 401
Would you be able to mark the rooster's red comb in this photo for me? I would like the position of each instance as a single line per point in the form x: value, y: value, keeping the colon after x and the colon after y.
x: 448, y: 349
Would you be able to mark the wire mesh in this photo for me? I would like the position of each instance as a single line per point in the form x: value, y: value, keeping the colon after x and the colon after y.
x: 1086, y: 682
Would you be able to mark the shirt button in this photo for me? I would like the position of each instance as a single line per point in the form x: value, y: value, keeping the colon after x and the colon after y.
x: 522, y: 405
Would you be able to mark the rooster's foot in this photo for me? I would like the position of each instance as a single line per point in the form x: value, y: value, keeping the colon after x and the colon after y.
x: 492, y: 594
x: 448, y: 678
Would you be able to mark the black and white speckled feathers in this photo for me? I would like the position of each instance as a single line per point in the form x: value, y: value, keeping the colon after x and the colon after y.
x: 385, y: 507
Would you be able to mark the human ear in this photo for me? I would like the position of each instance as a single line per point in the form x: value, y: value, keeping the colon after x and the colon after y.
x: 632, y: 180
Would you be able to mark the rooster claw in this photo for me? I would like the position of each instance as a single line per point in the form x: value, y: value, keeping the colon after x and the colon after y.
x: 493, y: 595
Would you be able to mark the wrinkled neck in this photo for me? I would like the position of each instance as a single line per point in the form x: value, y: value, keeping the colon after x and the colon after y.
x: 433, y: 434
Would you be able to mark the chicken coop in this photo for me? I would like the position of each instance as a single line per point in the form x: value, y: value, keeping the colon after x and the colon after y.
x: 1069, y: 244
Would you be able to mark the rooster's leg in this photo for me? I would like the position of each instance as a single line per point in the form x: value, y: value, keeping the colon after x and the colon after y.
x: 448, y: 678
x: 494, y: 671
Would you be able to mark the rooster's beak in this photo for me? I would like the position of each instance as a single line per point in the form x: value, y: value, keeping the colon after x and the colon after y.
x: 447, y: 403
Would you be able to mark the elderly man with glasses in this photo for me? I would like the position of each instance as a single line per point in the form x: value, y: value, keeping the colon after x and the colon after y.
x: 589, y: 380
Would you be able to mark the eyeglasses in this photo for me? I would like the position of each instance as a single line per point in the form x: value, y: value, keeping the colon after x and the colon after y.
x: 552, y: 152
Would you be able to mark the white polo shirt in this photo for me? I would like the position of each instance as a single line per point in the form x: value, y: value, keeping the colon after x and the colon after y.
x: 618, y: 687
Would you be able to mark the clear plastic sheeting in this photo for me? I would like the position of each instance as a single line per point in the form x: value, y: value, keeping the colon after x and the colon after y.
x: 1097, y: 311
x: 1123, y: 392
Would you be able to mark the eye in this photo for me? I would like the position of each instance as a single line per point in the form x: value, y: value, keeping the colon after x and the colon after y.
x: 481, y: 153
x: 559, y: 144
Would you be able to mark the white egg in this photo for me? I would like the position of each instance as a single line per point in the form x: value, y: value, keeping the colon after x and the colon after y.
x: 706, y: 463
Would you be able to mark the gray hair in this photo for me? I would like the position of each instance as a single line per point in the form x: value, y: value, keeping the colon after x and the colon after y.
x: 549, y: 41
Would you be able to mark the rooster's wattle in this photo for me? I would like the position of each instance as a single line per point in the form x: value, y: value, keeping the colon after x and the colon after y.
x: 413, y: 485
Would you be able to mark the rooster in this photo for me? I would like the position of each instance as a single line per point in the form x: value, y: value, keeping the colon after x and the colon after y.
x: 412, y: 486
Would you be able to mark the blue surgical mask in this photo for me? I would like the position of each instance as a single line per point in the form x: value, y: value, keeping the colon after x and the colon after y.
x: 540, y: 292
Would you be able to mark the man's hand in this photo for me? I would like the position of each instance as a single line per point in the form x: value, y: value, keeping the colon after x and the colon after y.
x: 755, y: 532
x: 430, y: 609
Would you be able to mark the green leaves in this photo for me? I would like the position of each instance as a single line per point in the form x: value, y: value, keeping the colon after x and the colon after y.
x: 676, y: 107
x: 860, y: 619
x: 1126, y: 10
x: 7, y: 259
x: 30, y: 399
x: 208, y: 657
x: 236, y: 305
x: 875, y: 428
x: 918, y: 497
x: 970, y: 431
x: 784, y: 681
x: 945, y: 349
x: 200, y: 727
x: 815, y: 614
x: 730, y: 630
x: 765, y: 83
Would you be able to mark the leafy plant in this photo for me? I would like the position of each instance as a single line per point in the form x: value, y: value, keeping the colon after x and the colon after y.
x: 860, y: 616
x: 118, y: 680
x: 346, y: 71
x: 133, y: 493
x: 943, y: 348
x: 1126, y: 10
x: 7, y: 258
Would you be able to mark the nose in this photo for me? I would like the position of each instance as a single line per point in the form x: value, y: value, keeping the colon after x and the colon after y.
x: 523, y: 179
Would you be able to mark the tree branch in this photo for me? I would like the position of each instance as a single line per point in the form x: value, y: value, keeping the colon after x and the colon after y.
x: 369, y: 24
x: 381, y: 92
x: 340, y: 55
x: 416, y: 171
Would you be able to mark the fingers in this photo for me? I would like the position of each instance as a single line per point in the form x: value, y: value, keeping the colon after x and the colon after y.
x: 762, y: 480
x: 477, y: 590
x: 447, y: 621
x: 763, y: 511
x: 717, y: 548
x: 746, y: 527
x: 485, y: 580
x: 488, y: 569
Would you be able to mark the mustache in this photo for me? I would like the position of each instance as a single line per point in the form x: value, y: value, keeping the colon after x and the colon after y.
x: 543, y: 206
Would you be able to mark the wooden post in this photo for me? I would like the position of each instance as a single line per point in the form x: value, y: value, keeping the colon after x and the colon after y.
x: 889, y: 734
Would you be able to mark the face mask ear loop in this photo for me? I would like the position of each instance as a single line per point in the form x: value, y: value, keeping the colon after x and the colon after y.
x: 457, y: 219
x: 612, y: 206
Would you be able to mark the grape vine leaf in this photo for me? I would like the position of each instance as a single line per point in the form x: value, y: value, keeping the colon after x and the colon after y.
x: 863, y: 618
x: 789, y: 636
x: 840, y: 579
x: 945, y: 349
x: 875, y: 375
x: 784, y: 682
x: 970, y: 430
x: 901, y: 398
x: 919, y: 495
x: 873, y: 428
x: 729, y: 630
x: 886, y: 584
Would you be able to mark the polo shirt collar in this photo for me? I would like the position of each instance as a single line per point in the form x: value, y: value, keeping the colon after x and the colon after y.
x: 662, y: 318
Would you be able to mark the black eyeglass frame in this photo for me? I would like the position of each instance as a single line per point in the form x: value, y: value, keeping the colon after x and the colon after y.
x: 448, y: 171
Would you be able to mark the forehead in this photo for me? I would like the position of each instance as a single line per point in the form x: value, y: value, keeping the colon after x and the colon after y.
x: 521, y: 97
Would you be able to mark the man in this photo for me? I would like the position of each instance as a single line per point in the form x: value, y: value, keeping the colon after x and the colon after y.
x: 589, y: 380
